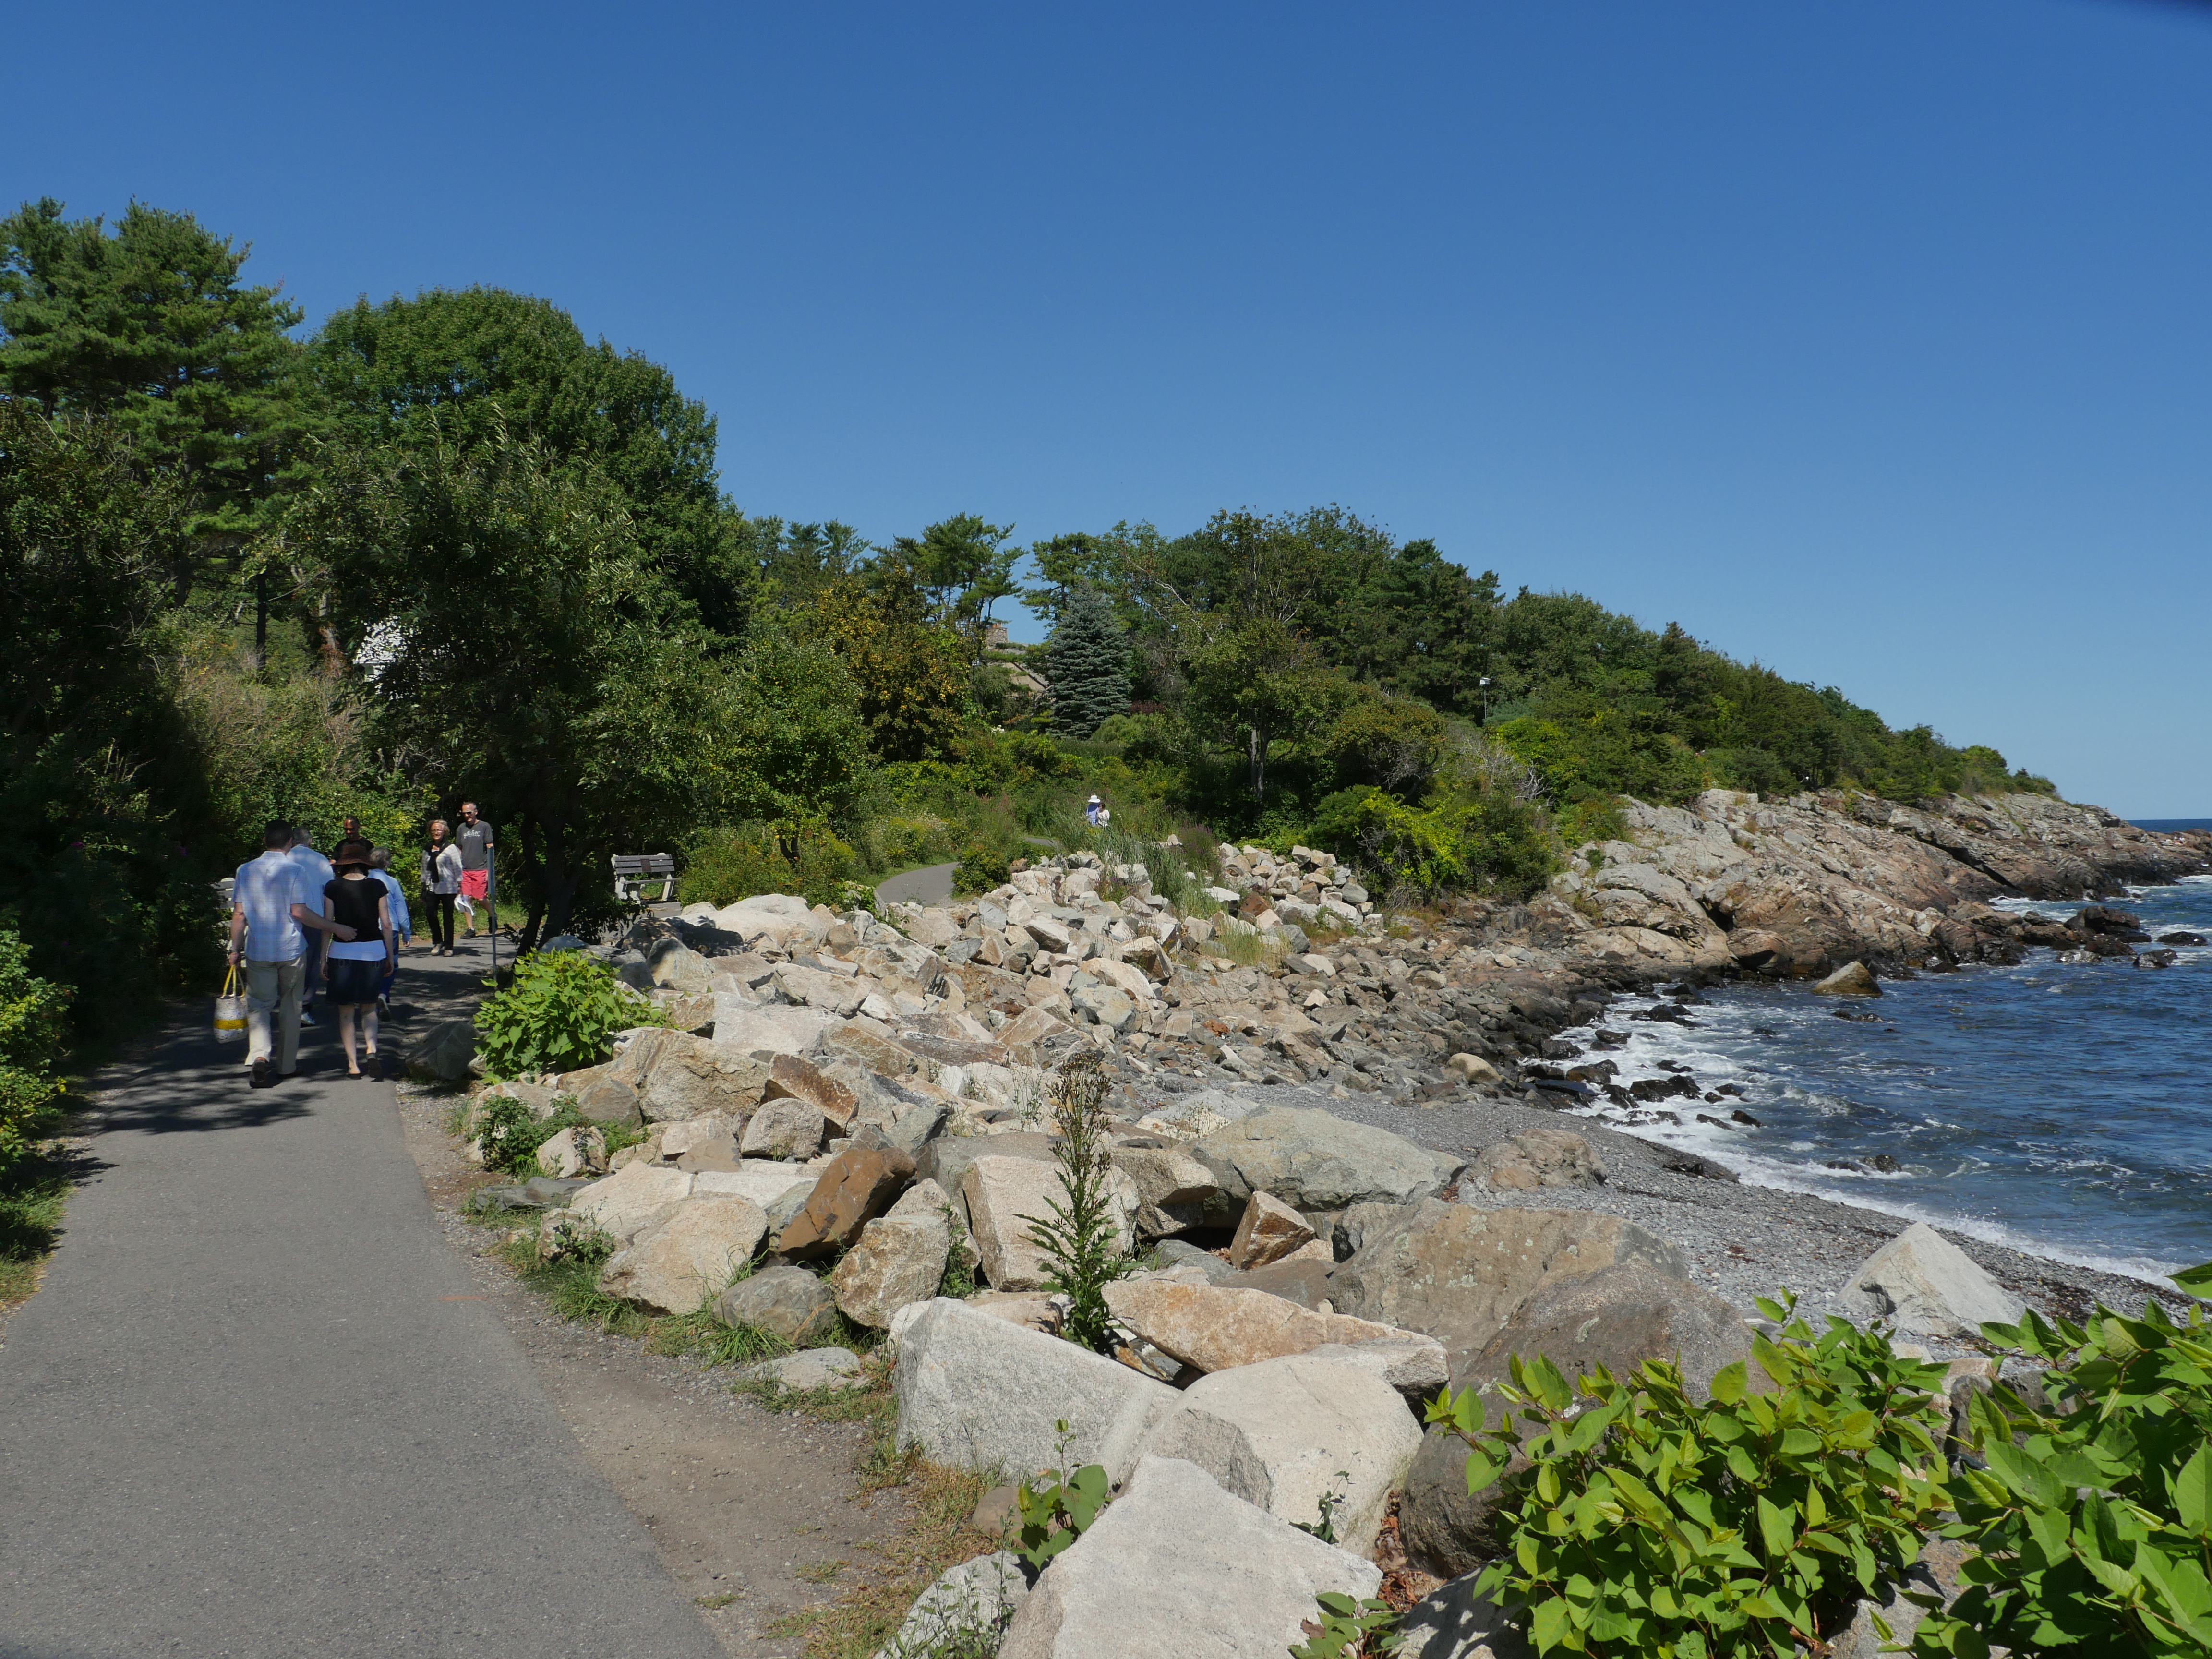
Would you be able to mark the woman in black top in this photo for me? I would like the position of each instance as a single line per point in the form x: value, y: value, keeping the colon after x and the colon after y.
x: 357, y: 968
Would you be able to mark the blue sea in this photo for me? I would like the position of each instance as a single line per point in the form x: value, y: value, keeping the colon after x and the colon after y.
x: 2063, y: 1108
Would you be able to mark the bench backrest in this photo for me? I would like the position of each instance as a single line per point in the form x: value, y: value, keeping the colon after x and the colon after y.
x: 644, y: 863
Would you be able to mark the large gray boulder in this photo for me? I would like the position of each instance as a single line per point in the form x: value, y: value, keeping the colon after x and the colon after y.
x: 1453, y: 1622
x: 1459, y: 1274
x: 1316, y: 1160
x: 1177, y: 1191
x: 678, y: 1076
x: 444, y: 1052
x: 1006, y: 1196
x: 1929, y: 1287
x: 899, y: 1258
x: 786, y: 1302
x: 983, y: 1393
x: 632, y: 1199
x: 683, y: 1263
x: 1616, y: 1317
x: 1178, y: 1566
x: 1286, y: 1433
x: 1535, y: 1158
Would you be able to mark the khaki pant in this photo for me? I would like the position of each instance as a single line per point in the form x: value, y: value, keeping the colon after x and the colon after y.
x: 274, y: 986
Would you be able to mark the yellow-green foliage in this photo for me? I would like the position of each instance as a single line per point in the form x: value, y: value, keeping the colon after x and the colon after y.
x: 33, y: 1017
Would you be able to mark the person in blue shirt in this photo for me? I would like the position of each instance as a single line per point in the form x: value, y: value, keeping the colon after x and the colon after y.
x: 379, y: 865
x: 315, y: 871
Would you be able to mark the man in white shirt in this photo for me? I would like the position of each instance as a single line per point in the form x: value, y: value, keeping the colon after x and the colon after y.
x: 317, y: 874
x: 273, y: 911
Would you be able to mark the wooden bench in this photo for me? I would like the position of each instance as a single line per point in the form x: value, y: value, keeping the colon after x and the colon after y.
x: 634, y: 870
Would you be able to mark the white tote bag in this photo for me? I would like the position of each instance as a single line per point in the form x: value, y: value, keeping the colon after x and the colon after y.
x: 230, y: 1009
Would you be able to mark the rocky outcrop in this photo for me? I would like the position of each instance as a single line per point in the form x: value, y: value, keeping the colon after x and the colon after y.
x: 1799, y: 887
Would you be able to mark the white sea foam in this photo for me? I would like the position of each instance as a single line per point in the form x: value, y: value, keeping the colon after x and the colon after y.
x: 1700, y: 1051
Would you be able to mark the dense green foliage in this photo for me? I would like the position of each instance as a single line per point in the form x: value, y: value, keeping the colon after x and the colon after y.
x: 33, y: 1029
x: 560, y: 1014
x: 446, y: 547
x: 151, y: 326
x: 1648, y: 1523
x: 2092, y: 1518
x: 1087, y: 664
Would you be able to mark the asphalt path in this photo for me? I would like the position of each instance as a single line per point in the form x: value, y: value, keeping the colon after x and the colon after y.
x: 932, y: 884
x: 259, y: 1408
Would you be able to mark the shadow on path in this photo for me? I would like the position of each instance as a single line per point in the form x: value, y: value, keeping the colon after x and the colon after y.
x: 259, y: 1409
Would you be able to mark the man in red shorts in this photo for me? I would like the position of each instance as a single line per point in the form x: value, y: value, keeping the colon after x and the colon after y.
x: 474, y: 840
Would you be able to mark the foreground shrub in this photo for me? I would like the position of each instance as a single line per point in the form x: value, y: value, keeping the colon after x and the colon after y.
x: 33, y: 1019
x: 561, y: 1014
x: 2093, y: 1515
x: 1648, y: 1523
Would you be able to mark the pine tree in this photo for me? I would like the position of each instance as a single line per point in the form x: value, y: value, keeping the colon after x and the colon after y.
x: 1087, y: 664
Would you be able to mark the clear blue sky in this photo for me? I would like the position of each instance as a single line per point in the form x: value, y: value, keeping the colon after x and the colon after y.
x: 1870, y: 339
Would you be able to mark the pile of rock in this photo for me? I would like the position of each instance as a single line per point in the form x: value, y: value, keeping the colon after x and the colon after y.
x: 846, y: 1090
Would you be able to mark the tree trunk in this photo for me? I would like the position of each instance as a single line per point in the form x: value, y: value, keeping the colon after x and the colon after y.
x: 1256, y: 746
x: 531, y: 934
x: 556, y: 878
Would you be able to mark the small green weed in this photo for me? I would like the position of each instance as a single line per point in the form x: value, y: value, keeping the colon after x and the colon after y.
x: 1348, y: 1629
x: 1081, y: 1238
x: 1057, y: 1513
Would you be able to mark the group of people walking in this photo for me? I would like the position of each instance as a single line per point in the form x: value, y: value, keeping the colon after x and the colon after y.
x: 297, y: 917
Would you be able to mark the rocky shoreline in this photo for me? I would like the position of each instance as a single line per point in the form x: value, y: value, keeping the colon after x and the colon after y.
x: 1333, y: 1134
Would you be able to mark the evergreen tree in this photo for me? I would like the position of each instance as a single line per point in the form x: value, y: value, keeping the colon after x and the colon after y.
x: 1087, y: 664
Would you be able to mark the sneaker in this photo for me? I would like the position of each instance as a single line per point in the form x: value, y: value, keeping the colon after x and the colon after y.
x: 307, y: 1017
x: 263, y: 1077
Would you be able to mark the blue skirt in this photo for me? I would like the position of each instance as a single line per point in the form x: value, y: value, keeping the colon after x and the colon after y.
x: 356, y: 981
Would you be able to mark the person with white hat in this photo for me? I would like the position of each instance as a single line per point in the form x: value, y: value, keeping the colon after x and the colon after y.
x: 1090, y: 811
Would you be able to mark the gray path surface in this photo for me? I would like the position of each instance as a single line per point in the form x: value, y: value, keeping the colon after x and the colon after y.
x: 933, y: 885
x: 259, y: 1408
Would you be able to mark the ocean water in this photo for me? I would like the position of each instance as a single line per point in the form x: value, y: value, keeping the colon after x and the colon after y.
x: 2063, y: 1108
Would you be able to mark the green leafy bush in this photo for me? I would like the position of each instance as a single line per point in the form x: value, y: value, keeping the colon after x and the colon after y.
x: 728, y: 863
x: 1484, y: 840
x: 561, y: 1014
x: 982, y: 868
x: 2093, y: 1517
x: 1080, y: 1239
x: 33, y: 1020
x: 1648, y: 1523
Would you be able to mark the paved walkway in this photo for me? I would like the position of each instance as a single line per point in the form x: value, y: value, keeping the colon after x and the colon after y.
x: 933, y: 885
x: 259, y: 1409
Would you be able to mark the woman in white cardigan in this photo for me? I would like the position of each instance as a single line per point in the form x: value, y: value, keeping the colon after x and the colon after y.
x: 440, y: 880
